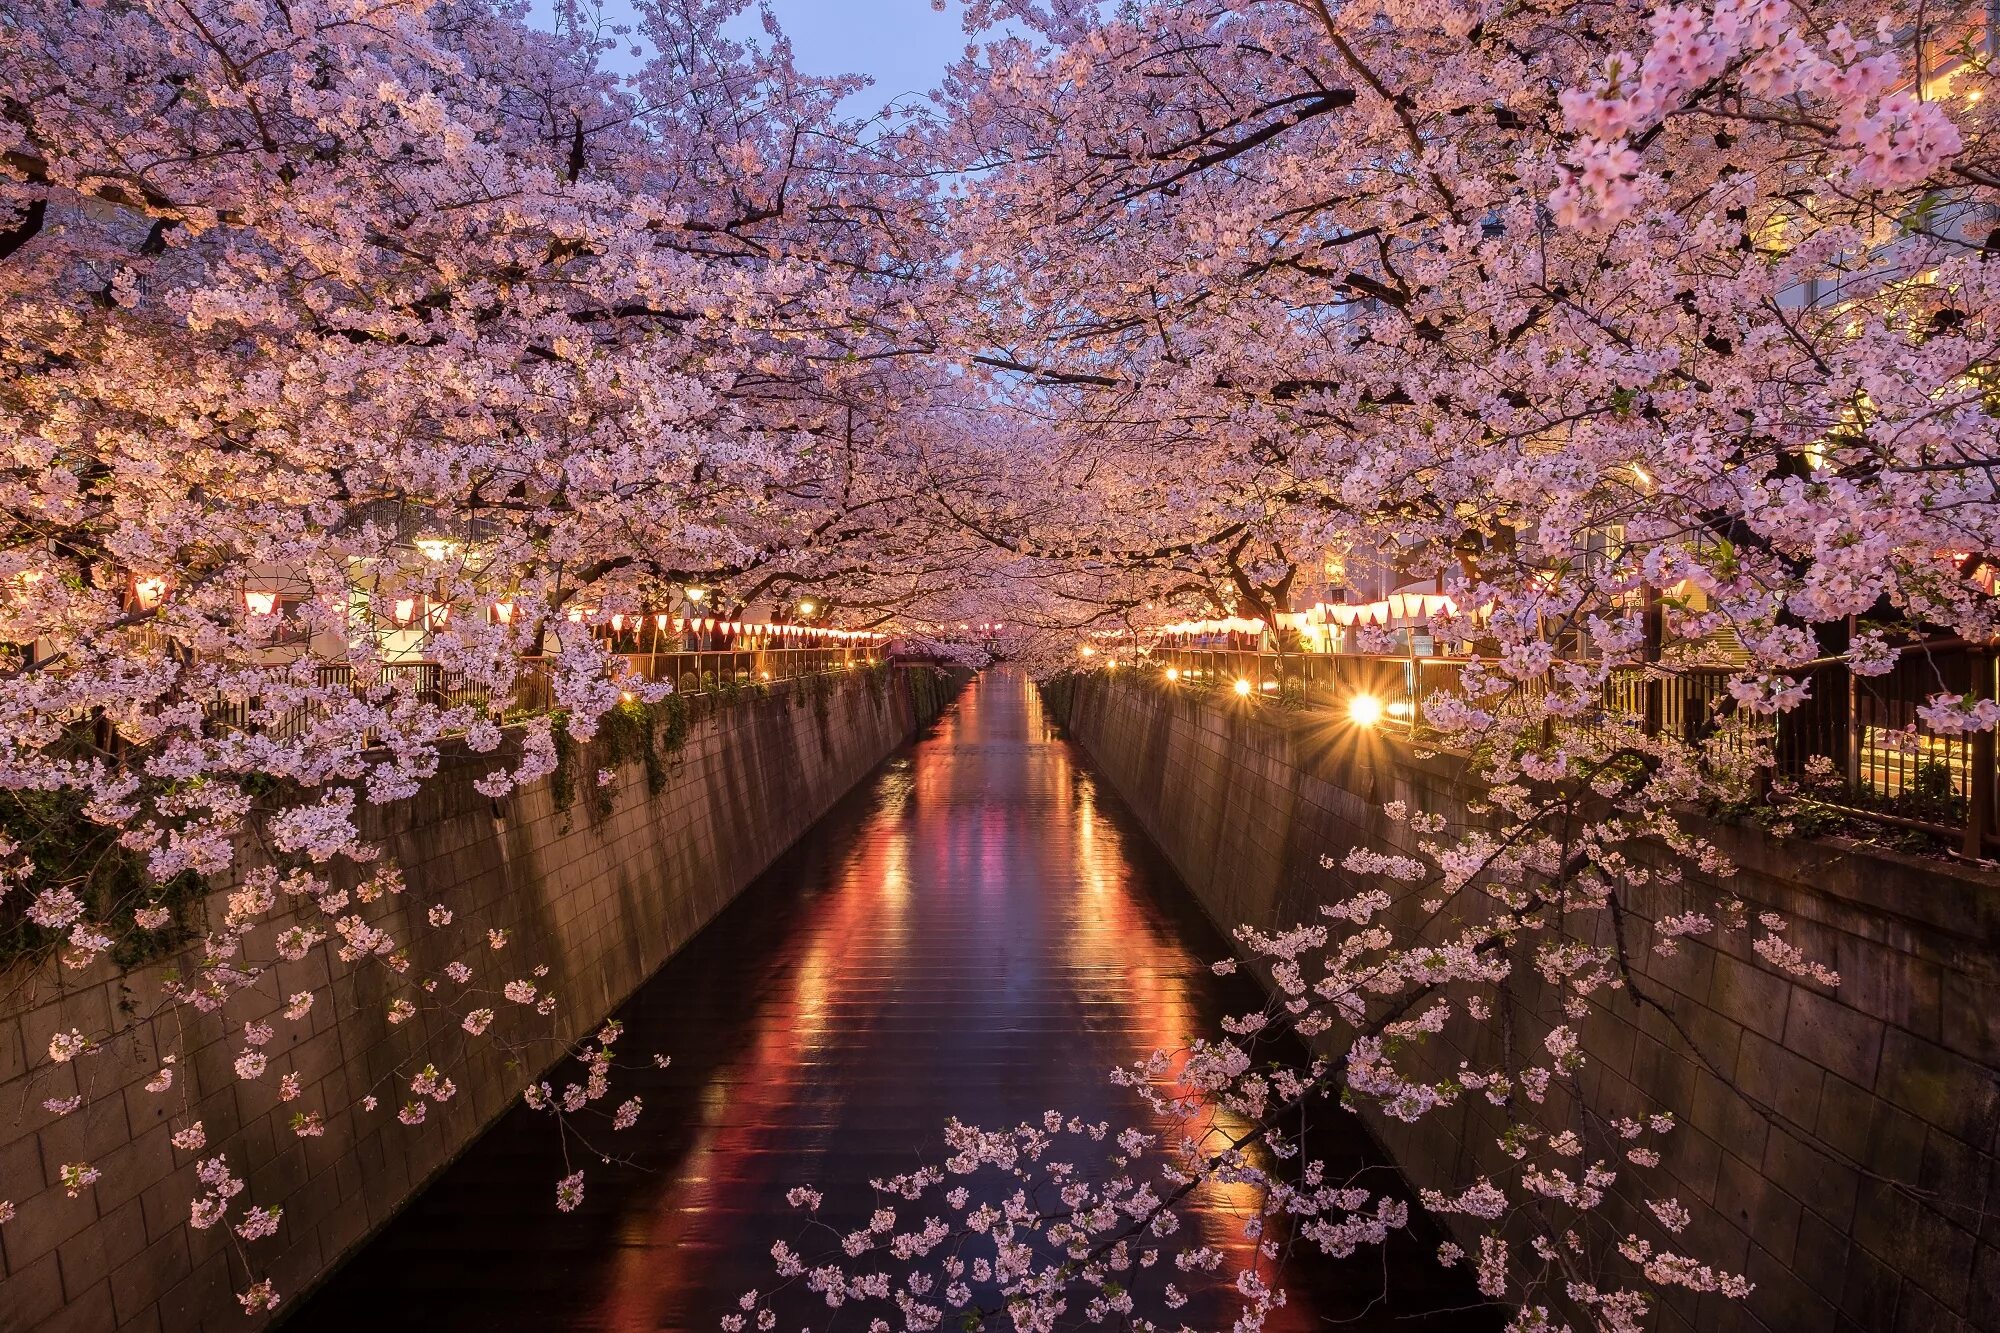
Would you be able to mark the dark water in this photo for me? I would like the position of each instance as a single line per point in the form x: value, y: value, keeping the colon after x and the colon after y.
x: 978, y: 930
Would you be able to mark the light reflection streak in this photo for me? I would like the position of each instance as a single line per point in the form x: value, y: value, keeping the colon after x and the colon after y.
x: 992, y: 835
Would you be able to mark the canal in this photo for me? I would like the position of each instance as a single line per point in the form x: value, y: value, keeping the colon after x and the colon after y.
x: 979, y: 930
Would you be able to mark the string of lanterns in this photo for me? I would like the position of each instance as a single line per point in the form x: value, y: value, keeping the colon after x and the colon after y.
x: 1397, y: 606
x: 664, y: 623
x: 405, y: 611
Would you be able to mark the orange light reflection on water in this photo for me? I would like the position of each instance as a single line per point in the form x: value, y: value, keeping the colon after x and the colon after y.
x: 993, y: 835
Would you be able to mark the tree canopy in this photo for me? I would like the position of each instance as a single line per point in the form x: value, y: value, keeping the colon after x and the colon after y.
x: 1621, y: 324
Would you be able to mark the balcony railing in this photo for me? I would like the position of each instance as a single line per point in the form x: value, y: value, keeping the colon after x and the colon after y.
x: 1855, y: 745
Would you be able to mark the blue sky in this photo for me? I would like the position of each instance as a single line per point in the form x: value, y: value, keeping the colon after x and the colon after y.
x: 904, y: 45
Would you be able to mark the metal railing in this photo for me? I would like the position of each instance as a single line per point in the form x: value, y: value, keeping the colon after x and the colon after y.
x: 1855, y: 744
x: 690, y: 673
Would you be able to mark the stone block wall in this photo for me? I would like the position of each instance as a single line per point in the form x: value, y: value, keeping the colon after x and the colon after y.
x: 1837, y: 1146
x: 602, y: 898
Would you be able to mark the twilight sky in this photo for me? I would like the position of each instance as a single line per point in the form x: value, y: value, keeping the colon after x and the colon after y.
x: 904, y: 44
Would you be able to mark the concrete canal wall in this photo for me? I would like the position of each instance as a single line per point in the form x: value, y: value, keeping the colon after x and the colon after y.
x: 1837, y: 1146
x: 602, y: 892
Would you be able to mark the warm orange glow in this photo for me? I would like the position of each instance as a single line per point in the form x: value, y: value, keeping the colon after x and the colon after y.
x: 939, y: 858
x: 1364, y: 710
x: 149, y: 591
x: 1242, y: 686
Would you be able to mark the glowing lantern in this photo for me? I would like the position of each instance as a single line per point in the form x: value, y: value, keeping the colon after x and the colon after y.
x: 148, y: 591
x: 502, y: 613
x: 261, y: 603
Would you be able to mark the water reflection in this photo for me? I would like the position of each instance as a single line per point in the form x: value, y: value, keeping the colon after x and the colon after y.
x: 979, y: 932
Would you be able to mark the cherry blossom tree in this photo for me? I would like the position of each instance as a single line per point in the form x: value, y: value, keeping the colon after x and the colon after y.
x: 334, y: 326
x: 1633, y: 327
x: 1629, y: 326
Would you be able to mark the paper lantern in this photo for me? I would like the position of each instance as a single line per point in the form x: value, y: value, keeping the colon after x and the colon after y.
x: 148, y: 591
x: 261, y: 603
x: 405, y: 610
x: 502, y: 613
